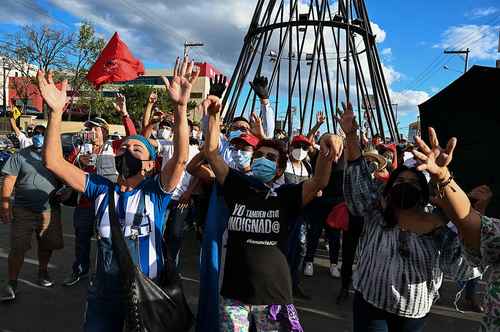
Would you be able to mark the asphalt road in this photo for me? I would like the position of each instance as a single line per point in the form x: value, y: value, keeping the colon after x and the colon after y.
x: 60, y: 308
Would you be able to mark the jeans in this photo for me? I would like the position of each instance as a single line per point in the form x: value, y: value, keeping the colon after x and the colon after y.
x: 106, y: 308
x: 367, y: 318
x: 83, y: 222
x: 316, y: 213
x: 350, y: 240
x: 175, y: 229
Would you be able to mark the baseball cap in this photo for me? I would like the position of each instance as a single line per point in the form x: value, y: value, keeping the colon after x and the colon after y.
x: 97, y: 122
x: 300, y: 139
x: 248, y: 139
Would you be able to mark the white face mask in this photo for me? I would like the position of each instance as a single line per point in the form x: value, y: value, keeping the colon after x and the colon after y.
x: 299, y: 154
x: 165, y: 133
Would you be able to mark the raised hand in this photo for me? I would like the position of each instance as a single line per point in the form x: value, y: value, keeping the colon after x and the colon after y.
x: 179, y: 88
x: 54, y: 97
x: 218, y: 85
x: 331, y: 146
x: 434, y: 159
x: 212, y: 105
x: 256, y: 126
x: 153, y: 98
x: 348, y: 119
x: 120, y: 104
x: 320, y: 117
x: 259, y: 85
x: 157, y: 117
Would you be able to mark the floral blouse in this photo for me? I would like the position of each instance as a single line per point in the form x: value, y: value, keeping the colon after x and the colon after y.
x: 489, y: 256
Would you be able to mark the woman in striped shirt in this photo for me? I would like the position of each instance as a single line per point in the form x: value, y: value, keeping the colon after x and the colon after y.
x: 480, y: 235
x: 403, y: 250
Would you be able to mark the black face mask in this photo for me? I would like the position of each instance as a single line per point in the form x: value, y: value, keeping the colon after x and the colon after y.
x: 127, y: 165
x: 404, y: 196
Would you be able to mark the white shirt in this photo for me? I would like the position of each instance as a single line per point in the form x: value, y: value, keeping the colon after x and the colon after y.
x: 24, y: 141
x: 166, y: 150
x: 300, y: 170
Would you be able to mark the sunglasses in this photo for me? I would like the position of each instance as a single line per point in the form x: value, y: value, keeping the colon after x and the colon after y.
x: 268, y: 156
x: 302, y: 146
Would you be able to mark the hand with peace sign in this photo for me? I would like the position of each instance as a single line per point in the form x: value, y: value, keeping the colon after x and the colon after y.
x: 434, y: 159
x: 179, y: 88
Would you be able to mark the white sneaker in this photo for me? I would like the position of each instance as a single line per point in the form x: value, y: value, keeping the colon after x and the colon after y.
x: 309, y: 269
x: 334, y: 271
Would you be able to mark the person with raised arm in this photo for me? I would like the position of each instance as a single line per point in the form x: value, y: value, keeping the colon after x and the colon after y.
x: 257, y: 283
x: 403, y: 251
x: 140, y: 200
x: 480, y: 235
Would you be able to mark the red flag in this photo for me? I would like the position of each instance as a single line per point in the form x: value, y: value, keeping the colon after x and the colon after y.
x: 115, y: 64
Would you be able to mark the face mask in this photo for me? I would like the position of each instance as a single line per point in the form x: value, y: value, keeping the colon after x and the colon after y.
x: 299, y: 154
x: 127, y: 165
x: 38, y: 141
x: 404, y: 196
x: 264, y: 169
x: 234, y: 134
x: 242, y: 158
x: 164, y: 133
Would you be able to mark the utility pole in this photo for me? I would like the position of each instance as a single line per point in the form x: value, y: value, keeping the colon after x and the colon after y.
x: 466, y: 52
x: 5, y: 83
x: 188, y: 45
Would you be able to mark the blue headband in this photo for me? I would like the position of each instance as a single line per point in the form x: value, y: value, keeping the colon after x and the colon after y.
x: 151, y: 149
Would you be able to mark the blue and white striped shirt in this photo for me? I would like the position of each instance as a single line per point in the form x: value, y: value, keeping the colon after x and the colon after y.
x: 153, y: 221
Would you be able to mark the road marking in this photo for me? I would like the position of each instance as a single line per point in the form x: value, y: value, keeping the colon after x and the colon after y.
x: 319, y: 312
x: 5, y: 254
x: 190, y: 279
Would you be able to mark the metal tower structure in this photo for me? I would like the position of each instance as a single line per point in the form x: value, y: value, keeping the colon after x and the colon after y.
x: 316, y: 54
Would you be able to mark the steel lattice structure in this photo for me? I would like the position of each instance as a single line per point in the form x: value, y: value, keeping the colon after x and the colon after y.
x: 316, y: 54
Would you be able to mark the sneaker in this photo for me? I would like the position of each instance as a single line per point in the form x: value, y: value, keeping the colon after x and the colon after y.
x: 299, y: 293
x: 44, y: 279
x: 74, y: 278
x: 309, y: 269
x: 334, y: 271
x: 8, y: 292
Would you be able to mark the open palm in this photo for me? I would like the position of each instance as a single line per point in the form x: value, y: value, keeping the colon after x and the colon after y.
x: 54, y: 97
x: 434, y: 159
x: 179, y: 88
x: 348, y: 119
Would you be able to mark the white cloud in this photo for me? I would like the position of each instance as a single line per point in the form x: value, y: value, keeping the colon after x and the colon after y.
x: 24, y: 13
x: 387, y: 51
x: 378, y: 32
x: 481, y: 39
x: 482, y: 12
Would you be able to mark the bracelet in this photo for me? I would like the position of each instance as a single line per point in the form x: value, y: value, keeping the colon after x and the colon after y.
x: 441, y: 186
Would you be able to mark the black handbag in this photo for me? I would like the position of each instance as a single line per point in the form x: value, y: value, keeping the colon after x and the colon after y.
x: 151, y: 307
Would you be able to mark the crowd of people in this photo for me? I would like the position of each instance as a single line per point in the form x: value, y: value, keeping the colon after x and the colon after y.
x: 393, y: 217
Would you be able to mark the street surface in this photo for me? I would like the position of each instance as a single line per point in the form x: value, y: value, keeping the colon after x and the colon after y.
x: 61, y: 309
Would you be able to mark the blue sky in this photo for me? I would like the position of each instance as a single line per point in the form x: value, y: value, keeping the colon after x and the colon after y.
x: 415, y: 34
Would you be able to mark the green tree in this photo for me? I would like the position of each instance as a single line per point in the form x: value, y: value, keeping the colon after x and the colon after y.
x: 137, y: 97
x: 85, y: 49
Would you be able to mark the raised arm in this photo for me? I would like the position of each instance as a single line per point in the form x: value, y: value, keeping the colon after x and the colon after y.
x: 149, y: 106
x: 120, y: 106
x: 259, y: 85
x: 198, y: 168
x: 14, y: 127
x: 331, y: 147
x: 435, y: 160
x: 211, y: 148
x: 320, y: 119
x: 179, y: 90
x: 52, y: 150
x: 350, y: 127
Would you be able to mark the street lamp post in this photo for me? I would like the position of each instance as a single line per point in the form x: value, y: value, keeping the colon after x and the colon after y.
x: 188, y: 45
x: 5, y: 69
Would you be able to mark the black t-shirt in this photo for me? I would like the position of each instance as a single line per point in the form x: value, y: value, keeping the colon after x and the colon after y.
x: 335, y: 187
x: 256, y: 270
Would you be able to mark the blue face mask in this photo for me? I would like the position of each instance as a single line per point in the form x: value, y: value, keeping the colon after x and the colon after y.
x: 234, y: 134
x: 37, y: 141
x: 242, y: 158
x: 264, y: 169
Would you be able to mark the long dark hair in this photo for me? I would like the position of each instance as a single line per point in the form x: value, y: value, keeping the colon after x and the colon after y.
x: 389, y: 215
